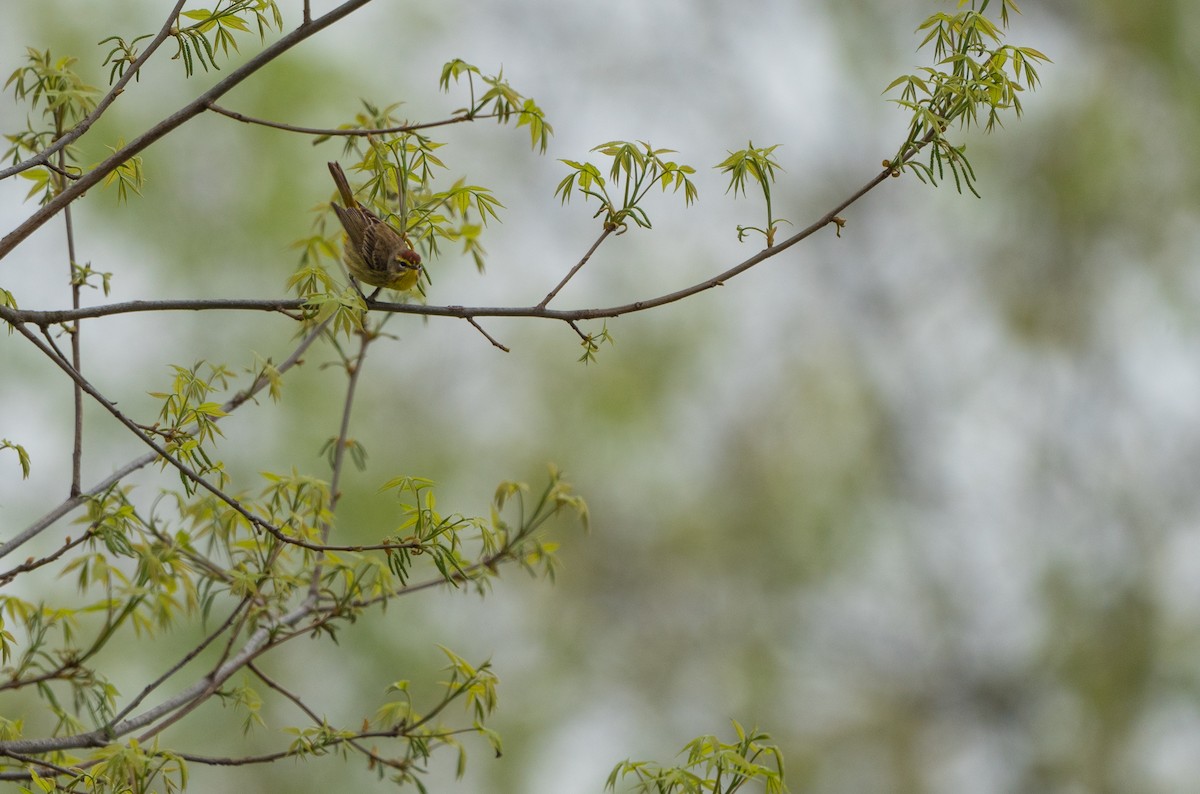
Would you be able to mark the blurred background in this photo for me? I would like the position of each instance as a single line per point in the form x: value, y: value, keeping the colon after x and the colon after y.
x: 920, y: 501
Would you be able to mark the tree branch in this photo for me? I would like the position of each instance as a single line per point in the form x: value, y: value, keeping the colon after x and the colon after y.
x: 176, y: 119
x: 43, y: 157
x: 16, y: 316
x: 345, y: 133
x: 487, y: 336
x: 233, y: 404
x: 262, y: 639
x: 578, y: 265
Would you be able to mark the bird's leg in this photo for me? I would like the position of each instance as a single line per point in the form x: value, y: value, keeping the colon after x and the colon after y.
x: 362, y: 294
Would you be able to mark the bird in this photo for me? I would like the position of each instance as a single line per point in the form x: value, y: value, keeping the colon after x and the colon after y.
x: 373, y: 251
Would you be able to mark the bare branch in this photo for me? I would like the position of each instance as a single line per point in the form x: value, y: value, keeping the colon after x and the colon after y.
x: 345, y: 133
x: 32, y: 564
x: 571, y: 273
x: 578, y: 332
x: 486, y: 335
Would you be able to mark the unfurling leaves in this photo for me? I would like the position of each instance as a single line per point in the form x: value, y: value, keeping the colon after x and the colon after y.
x: 711, y: 767
x: 216, y: 29
x: 636, y: 168
x: 975, y: 77
x: 757, y: 165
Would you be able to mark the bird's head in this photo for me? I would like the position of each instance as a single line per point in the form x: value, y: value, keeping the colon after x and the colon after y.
x: 408, y: 259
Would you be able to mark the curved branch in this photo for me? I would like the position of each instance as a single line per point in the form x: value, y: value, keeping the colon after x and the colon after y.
x: 16, y: 317
x: 318, y: 720
x: 42, y: 318
x: 578, y: 265
x: 187, y: 471
x: 345, y: 133
x: 121, y: 473
x: 495, y: 342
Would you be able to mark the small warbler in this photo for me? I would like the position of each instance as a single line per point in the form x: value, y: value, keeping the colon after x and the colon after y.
x: 373, y: 251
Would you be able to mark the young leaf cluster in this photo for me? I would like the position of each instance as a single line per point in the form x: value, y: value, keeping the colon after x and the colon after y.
x: 53, y: 85
x: 591, y: 344
x: 22, y: 456
x: 636, y: 168
x: 975, y: 77
x: 711, y: 767
x: 499, y: 101
x: 213, y: 30
x: 122, y: 55
x: 757, y: 165
x: 199, y: 558
x: 187, y: 422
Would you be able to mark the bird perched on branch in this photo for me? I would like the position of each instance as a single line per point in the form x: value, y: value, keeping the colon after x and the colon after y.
x: 374, y: 252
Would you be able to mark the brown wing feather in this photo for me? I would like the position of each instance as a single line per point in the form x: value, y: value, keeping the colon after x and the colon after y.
x: 381, y: 245
x: 352, y: 222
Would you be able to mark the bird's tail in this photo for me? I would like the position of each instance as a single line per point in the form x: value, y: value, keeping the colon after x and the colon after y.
x: 343, y: 186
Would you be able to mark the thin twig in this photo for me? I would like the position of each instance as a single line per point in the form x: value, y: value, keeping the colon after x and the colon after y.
x: 354, y: 371
x: 486, y: 335
x: 268, y: 758
x: 571, y: 273
x: 339, y: 454
x: 50, y: 342
x: 121, y: 473
x: 300, y: 704
x: 61, y: 170
x: 183, y: 661
x: 32, y: 564
x: 318, y: 720
x: 30, y: 760
x: 343, y: 132
x: 74, y: 330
